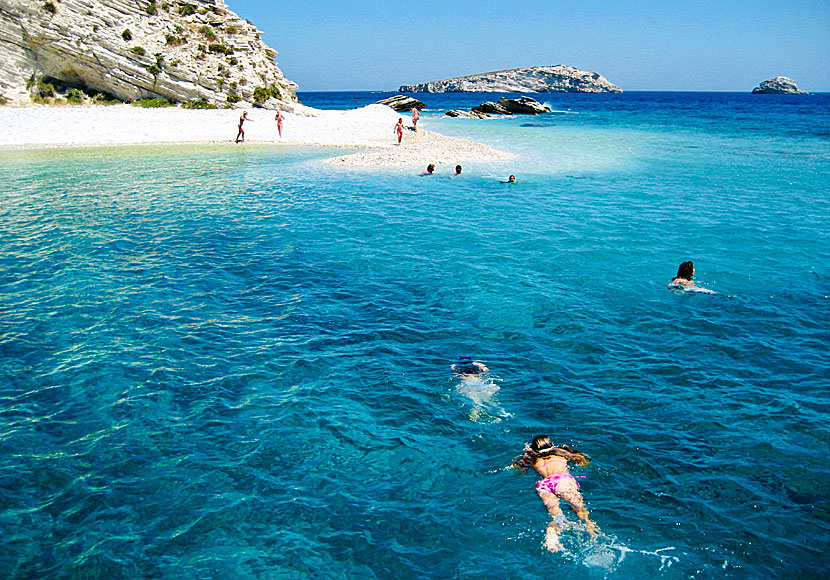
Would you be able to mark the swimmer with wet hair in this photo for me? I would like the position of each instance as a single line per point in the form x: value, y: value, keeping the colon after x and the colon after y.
x: 551, y: 463
x: 683, y: 280
x: 465, y: 366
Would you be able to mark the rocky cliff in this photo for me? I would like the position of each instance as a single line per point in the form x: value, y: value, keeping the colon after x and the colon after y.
x: 131, y: 49
x: 539, y: 79
x: 778, y: 86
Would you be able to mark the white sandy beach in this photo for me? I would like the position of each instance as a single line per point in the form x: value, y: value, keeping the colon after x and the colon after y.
x: 369, y: 129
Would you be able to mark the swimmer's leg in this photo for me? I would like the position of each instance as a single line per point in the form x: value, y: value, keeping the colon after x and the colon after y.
x: 556, y: 524
x: 569, y: 491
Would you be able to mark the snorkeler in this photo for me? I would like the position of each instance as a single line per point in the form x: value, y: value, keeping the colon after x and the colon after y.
x: 551, y: 463
x: 465, y: 366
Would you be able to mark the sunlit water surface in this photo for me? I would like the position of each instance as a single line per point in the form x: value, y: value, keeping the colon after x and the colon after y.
x: 234, y: 361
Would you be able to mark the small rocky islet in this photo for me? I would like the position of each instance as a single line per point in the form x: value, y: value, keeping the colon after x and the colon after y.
x: 778, y: 86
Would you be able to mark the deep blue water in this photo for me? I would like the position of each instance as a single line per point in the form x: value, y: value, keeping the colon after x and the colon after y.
x: 228, y: 362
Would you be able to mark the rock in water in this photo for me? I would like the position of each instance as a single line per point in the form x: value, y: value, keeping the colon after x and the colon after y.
x: 778, y: 86
x: 402, y: 103
x: 539, y: 79
x: 505, y: 106
x: 182, y: 51
x: 523, y: 106
x: 491, y: 108
x: 466, y: 114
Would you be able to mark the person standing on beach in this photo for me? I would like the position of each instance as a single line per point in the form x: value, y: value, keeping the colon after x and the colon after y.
x: 241, y: 132
x: 399, y: 130
x: 416, y: 115
x: 279, y: 119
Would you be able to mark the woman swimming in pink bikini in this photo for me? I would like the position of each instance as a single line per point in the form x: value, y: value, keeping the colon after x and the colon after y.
x: 552, y: 464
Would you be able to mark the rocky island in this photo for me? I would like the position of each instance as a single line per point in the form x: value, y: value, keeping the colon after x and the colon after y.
x: 540, y: 79
x: 778, y: 86
x: 183, y: 51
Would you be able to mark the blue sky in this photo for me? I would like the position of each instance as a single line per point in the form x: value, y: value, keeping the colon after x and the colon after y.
x: 671, y: 45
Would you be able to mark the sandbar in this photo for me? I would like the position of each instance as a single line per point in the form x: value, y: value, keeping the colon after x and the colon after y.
x: 369, y: 130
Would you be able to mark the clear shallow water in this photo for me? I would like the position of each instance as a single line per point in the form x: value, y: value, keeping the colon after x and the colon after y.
x: 230, y: 362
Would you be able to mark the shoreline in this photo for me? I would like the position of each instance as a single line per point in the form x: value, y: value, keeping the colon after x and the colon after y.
x: 368, y: 130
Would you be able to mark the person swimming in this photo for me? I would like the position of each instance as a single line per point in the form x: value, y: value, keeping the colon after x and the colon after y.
x: 430, y: 169
x: 465, y: 366
x: 511, y: 179
x: 683, y: 281
x: 551, y: 463
x: 457, y: 170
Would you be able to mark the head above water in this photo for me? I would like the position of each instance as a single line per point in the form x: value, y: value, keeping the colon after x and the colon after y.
x: 430, y: 168
x: 543, y: 448
x: 686, y: 270
x: 457, y: 169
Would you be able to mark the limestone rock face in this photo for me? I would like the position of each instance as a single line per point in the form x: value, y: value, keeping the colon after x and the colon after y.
x: 131, y: 49
x: 402, y: 103
x: 540, y: 79
x: 778, y: 86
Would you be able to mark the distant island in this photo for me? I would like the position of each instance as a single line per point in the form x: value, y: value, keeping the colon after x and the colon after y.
x: 778, y: 86
x: 538, y: 79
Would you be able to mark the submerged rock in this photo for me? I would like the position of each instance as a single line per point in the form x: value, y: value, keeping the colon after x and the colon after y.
x: 778, y: 86
x: 539, y: 79
x: 402, y: 103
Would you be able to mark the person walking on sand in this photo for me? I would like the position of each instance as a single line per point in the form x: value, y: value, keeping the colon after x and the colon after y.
x: 241, y: 133
x: 399, y: 130
x: 551, y: 463
x: 279, y: 119
x: 416, y: 116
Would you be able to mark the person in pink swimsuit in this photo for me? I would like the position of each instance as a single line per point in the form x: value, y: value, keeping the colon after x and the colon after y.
x: 416, y: 116
x: 279, y: 119
x: 551, y: 463
x: 399, y: 130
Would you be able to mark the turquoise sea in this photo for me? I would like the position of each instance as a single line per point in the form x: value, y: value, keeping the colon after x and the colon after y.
x: 234, y: 361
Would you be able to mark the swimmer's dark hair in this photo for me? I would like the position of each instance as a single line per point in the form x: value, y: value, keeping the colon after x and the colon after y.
x: 686, y: 270
x: 542, y: 447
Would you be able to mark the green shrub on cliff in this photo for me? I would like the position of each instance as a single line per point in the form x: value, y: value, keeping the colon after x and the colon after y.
x: 207, y: 32
x: 198, y: 104
x: 152, y: 103
x: 266, y: 92
x: 75, y: 96
x: 138, y: 50
x: 127, y: 35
